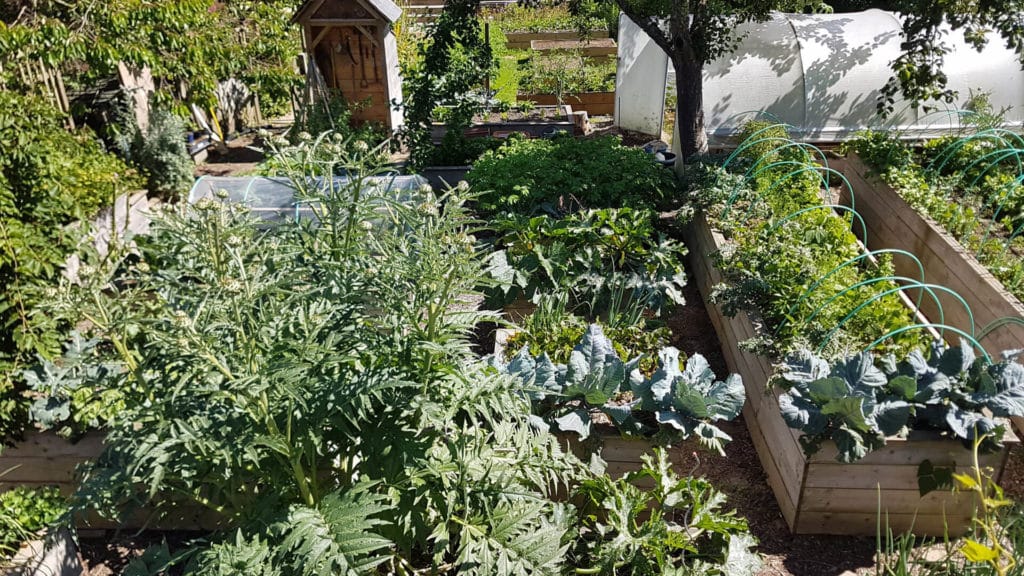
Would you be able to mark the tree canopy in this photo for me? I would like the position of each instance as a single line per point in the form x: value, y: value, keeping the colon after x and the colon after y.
x: 190, y: 45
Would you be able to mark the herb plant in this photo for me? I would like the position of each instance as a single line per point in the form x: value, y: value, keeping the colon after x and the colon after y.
x: 977, y: 201
x: 24, y: 511
x: 600, y: 257
x: 784, y: 240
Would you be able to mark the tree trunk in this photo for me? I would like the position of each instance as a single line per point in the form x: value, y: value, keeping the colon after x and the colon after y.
x: 690, y: 106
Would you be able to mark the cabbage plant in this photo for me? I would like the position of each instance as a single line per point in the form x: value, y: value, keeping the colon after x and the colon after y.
x: 566, y: 396
x: 859, y: 401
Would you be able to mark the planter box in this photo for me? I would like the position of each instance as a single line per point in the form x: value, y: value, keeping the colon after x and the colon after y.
x: 530, y: 128
x: 592, y: 48
x: 820, y: 495
x: 593, y: 103
x: 892, y: 223
x: 441, y: 177
x: 522, y: 40
x: 45, y: 459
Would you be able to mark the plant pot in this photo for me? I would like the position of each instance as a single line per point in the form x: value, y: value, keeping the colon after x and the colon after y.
x: 817, y: 494
x: 441, y: 177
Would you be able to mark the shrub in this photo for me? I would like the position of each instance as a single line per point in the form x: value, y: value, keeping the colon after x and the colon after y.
x: 161, y: 153
x: 49, y: 178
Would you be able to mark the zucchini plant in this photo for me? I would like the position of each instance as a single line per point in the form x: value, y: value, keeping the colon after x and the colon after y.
x: 859, y: 401
x: 566, y: 396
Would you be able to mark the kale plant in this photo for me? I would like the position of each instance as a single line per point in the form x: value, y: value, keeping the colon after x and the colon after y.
x: 859, y: 401
x: 565, y: 396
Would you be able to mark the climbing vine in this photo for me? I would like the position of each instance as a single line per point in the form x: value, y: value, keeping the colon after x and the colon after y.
x: 190, y: 45
x: 455, y: 59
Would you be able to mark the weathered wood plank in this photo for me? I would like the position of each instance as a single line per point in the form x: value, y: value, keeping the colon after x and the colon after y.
x: 593, y: 103
x: 867, y: 523
x: 848, y: 500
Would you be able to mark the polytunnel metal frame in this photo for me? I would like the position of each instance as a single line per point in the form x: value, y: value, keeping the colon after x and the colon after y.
x: 902, y: 284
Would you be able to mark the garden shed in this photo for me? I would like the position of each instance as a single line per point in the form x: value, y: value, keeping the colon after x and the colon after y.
x: 352, y: 49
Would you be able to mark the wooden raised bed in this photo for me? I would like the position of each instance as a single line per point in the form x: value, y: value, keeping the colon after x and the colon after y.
x: 595, y: 48
x: 550, y: 118
x: 523, y: 40
x: 45, y: 459
x: 593, y: 103
x: 892, y: 223
x: 820, y: 495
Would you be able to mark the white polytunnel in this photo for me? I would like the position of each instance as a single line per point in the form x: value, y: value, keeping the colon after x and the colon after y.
x: 822, y: 74
x: 276, y: 198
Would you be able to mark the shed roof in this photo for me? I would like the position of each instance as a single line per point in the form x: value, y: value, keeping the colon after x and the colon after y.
x: 386, y: 8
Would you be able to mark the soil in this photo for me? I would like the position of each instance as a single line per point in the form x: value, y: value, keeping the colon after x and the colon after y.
x: 516, y: 115
x: 237, y: 157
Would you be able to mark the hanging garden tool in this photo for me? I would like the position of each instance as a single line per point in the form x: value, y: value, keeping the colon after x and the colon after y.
x: 376, y: 68
x: 362, y: 64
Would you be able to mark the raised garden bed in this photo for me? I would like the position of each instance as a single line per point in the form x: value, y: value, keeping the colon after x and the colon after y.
x: 539, y: 122
x: 593, y: 103
x: 819, y: 495
x: 45, y: 459
x: 893, y: 223
x: 523, y: 40
x: 594, y: 48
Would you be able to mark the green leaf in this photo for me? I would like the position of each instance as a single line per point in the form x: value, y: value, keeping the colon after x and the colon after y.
x: 957, y: 359
x: 850, y: 410
x: 826, y: 389
x: 904, y: 387
x: 977, y: 552
x: 891, y: 417
x: 931, y: 477
x: 859, y: 372
x: 741, y: 558
x: 725, y: 399
x: 577, y: 421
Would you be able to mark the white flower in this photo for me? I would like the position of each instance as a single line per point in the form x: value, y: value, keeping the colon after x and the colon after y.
x: 305, y: 136
x: 263, y: 133
x: 222, y: 193
x: 462, y: 186
x: 361, y: 147
x: 142, y: 267
x: 366, y: 225
x: 426, y: 189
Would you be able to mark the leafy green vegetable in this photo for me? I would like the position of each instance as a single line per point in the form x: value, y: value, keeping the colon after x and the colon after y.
x: 858, y: 402
x: 677, y: 523
x: 687, y: 401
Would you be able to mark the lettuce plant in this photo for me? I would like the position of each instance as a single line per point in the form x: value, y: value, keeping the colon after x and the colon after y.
x: 565, y: 396
x: 859, y: 401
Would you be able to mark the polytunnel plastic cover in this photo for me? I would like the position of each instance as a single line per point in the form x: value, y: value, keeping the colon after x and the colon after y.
x: 274, y: 198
